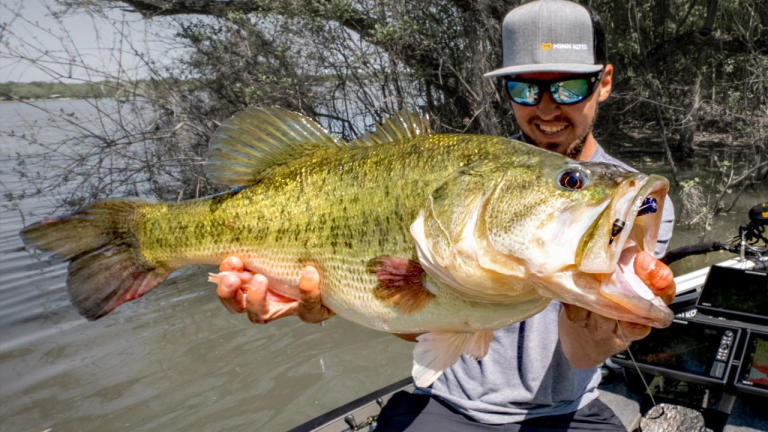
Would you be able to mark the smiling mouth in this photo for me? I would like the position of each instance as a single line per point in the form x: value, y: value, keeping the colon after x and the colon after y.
x: 550, y: 129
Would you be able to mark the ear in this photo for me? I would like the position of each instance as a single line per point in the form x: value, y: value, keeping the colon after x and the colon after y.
x: 606, y: 83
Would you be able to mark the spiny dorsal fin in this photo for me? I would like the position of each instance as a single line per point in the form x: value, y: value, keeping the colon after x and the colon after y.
x: 402, y: 125
x: 247, y: 145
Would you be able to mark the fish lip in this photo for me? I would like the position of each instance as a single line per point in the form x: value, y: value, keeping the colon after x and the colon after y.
x: 625, y: 291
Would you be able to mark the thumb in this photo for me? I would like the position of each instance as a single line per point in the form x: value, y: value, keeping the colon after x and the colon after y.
x: 656, y: 275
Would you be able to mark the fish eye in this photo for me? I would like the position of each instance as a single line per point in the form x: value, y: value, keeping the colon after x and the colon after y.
x: 572, y: 179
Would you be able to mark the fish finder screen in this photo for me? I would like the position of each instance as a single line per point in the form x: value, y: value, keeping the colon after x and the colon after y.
x: 735, y: 290
x: 681, y: 347
x: 754, y: 367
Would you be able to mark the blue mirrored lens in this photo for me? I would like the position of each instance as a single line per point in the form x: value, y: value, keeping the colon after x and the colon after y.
x: 523, y: 93
x: 570, y: 91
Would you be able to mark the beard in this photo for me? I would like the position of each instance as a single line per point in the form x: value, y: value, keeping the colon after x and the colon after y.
x: 572, y: 150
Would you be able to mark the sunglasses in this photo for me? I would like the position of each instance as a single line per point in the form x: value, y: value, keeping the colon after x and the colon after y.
x: 565, y: 91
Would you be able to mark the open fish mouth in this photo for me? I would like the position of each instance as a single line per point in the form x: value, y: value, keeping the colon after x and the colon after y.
x: 634, y: 225
x: 633, y: 218
x: 604, y: 279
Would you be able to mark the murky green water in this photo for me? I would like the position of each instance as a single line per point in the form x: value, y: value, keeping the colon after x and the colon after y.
x: 173, y: 360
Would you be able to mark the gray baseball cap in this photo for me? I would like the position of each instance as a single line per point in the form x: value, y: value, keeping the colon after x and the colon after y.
x: 547, y: 36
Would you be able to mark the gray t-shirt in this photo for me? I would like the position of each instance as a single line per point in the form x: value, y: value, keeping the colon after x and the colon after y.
x: 525, y: 373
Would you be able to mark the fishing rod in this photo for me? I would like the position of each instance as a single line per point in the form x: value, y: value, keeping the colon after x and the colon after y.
x: 750, y: 243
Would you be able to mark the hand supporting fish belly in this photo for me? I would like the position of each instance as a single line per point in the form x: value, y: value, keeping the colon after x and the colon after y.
x: 413, y: 232
x: 239, y: 291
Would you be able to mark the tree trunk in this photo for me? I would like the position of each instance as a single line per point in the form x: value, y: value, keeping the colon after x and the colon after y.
x: 709, y: 20
x: 684, y: 148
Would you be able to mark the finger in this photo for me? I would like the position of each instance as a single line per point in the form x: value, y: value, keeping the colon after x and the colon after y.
x: 596, y: 325
x: 310, y: 307
x: 264, y: 306
x: 656, y: 275
x: 228, y: 287
x: 231, y: 263
x: 256, y: 303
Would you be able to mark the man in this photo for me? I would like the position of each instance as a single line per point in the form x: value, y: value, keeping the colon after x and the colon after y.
x: 540, y: 374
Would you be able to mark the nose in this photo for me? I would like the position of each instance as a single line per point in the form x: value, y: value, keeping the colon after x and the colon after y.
x: 547, y: 108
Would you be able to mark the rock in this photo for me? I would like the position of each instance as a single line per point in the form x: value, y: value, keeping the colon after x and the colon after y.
x: 672, y: 418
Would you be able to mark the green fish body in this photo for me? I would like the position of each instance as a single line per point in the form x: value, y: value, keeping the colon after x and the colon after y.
x: 452, y: 235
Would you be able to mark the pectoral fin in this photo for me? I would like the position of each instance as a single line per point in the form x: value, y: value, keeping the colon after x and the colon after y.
x: 401, y: 283
x: 435, y: 352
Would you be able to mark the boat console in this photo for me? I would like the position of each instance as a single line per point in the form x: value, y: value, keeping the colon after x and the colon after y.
x: 707, y: 343
x: 687, y: 350
x: 752, y: 375
x: 718, y: 342
x: 735, y: 294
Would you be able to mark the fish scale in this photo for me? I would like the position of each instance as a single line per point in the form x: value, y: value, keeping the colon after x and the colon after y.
x: 315, y: 227
x: 452, y: 235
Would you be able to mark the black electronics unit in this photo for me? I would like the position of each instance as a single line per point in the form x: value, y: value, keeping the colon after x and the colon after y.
x: 735, y: 294
x: 687, y: 350
x: 752, y: 376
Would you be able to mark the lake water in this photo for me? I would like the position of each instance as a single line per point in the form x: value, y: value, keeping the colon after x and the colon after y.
x: 173, y: 360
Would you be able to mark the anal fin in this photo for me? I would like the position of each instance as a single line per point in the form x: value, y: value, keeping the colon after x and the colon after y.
x: 434, y: 352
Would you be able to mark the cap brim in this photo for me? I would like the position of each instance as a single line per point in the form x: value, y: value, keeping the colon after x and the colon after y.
x: 545, y: 67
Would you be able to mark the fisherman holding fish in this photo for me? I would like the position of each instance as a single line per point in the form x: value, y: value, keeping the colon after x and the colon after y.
x: 517, y: 265
x: 540, y: 374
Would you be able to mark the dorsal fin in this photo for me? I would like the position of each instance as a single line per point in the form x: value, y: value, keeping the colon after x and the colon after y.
x: 248, y: 144
x: 402, y: 125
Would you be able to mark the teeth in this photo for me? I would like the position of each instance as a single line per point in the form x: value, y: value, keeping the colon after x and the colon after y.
x: 551, y: 128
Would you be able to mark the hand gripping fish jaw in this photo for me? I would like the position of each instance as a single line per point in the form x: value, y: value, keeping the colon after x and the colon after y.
x: 498, y: 245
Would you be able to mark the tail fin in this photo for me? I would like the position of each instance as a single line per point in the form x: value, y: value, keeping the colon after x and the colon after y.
x: 106, y: 268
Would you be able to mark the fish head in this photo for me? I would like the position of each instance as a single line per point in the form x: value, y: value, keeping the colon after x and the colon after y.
x: 547, y: 226
x: 595, y: 268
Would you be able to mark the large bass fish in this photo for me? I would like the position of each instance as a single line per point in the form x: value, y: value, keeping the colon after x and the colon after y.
x: 414, y: 232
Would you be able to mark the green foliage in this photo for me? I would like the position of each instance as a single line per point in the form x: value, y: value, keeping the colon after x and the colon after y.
x: 690, y: 76
x: 679, y: 63
x: 660, y: 48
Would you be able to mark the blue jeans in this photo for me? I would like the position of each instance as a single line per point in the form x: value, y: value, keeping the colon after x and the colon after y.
x: 419, y: 412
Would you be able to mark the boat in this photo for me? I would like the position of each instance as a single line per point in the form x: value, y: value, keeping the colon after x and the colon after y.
x: 714, y: 380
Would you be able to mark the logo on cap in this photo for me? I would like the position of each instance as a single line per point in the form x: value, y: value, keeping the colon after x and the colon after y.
x: 546, y: 46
